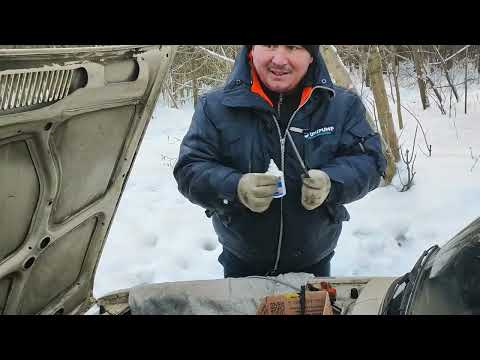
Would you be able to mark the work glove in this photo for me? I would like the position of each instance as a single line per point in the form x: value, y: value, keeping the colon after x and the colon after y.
x: 315, y: 189
x: 255, y: 191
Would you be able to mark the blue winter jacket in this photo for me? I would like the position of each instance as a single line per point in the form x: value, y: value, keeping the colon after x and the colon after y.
x: 233, y: 132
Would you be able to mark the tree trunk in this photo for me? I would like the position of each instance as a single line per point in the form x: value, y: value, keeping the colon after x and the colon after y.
x: 367, y: 75
x: 466, y: 79
x: 172, y: 98
x: 478, y: 68
x: 417, y: 57
x: 336, y: 68
x: 381, y: 101
x: 342, y: 78
x: 396, y: 71
x: 449, y: 63
x: 429, y: 81
x: 437, y: 94
x: 450, y: 106
x: 390, y: 71
x: 195, y: 91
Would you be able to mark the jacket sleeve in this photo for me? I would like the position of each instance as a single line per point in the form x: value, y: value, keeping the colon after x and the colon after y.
x: 199, y: 173
x: 359, y: 163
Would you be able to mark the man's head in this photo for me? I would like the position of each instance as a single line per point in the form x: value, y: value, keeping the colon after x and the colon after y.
x: 282, y: 67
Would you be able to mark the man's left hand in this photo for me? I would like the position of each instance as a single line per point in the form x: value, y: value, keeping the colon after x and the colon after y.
x: 315, y: 189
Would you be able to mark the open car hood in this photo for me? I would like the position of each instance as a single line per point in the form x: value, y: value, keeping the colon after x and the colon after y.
x: 71, y: 122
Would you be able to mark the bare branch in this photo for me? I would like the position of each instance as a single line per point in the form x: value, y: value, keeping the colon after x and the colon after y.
x: 217, y: 55
x: 451, y: 56
x: 475, y: 158
x: 429, y: 147
x: 439, y: 104
x: 457, y: 84
x: 444, y: 66
x: 396, y: 54
x: 419, y: 147
x: 410, y: 163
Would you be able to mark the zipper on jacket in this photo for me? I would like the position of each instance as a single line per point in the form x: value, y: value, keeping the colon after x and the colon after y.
x: 280, y: 101
x: 282, y: 166
x: 282, y: 159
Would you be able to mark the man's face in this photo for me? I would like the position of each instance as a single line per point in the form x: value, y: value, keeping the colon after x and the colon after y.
x: 281, y: 67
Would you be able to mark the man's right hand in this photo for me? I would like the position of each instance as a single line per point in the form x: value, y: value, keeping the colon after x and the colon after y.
x: 255, y: 191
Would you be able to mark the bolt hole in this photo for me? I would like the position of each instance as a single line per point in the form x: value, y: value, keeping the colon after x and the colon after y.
x: 123, y: 175
x: 60, y: 311
x: 29, y: 248
x: 19, y: 131
x: 48, y: 126
x: 50, y: 203
x: 354, y: 293
x: 167, y: 55
x: 44, y: 243
x: 29, y: 263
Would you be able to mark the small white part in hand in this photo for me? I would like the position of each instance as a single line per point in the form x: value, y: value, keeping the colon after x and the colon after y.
x: 275, y: 171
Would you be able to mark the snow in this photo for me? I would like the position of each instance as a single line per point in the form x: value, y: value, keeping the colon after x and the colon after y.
x: 159, y: 236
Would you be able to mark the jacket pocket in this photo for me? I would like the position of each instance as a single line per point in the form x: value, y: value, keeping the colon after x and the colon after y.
x: 366, y: 141
x: 337, y: 214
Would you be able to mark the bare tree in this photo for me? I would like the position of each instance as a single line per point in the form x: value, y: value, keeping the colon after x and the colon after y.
x: 381, y: 101
x: 437, y: 94
x: 365, y: 54
x: 196, y: 69
x: 447, y: 75
x: 340, y: 73
x: 478, y: 68
x: 466, y: 80
x: 389, y: 66
x: 409, y: 160
x: 418, y: 60
x: 395, y: 63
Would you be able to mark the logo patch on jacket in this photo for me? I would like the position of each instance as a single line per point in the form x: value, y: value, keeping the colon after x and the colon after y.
x: 327, y: 130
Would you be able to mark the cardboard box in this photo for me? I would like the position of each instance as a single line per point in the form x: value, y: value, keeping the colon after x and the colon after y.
x: 316, y: 303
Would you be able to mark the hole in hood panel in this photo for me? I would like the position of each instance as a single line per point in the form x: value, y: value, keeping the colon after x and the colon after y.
x: 57, y: 269
x: 121, y: 71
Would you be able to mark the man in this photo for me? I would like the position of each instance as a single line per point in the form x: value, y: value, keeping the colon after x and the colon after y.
x: 278, y: 103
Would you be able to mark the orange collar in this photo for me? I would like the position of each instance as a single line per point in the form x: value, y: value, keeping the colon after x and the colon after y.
x: 257, y: 87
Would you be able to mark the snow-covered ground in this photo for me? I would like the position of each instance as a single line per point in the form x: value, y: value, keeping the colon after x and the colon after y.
x: 159, y: 236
